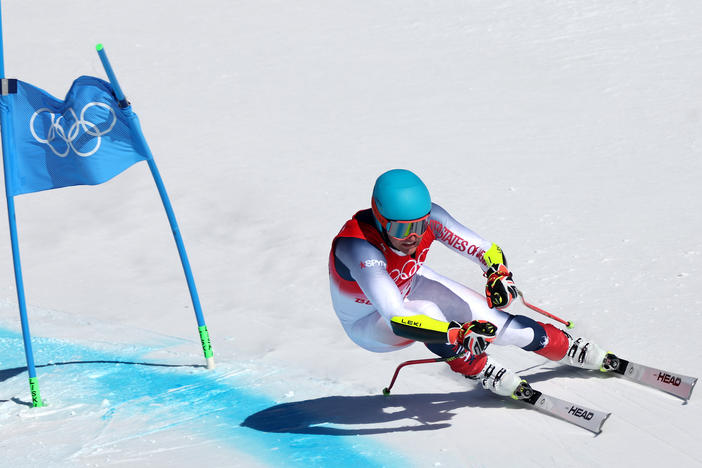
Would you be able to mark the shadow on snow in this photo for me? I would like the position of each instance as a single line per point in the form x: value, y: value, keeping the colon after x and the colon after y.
x: 432, y: 411
x: 320, y: 416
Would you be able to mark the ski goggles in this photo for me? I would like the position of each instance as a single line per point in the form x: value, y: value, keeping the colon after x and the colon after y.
x: 401, y: 230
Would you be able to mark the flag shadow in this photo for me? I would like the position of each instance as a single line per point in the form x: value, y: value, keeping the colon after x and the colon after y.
x: 323, y: 416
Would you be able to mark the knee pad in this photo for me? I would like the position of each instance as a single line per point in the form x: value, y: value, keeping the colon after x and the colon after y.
x: 540, y: 335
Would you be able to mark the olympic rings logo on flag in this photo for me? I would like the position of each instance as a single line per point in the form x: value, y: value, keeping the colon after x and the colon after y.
x: 57, y: 136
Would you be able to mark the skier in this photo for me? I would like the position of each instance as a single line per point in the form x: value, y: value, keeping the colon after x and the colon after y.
x: 386, y: 298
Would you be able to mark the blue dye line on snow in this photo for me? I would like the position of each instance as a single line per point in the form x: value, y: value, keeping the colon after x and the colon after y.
x: 199, y: 402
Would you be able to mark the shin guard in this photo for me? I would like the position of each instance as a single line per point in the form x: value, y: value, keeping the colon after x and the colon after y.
x: 557, y: 344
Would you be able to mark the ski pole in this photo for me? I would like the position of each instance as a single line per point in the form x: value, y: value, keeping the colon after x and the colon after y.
x: 569, y: 324
x: 386, y: 390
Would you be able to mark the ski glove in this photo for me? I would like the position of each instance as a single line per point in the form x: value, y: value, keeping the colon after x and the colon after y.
x: 473, y: 336
x: 500, y: 290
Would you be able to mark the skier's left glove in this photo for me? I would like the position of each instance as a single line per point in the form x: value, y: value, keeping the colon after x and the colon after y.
x: 500, y: 290
x: 472, y: 336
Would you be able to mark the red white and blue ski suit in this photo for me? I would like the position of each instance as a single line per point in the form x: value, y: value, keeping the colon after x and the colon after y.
x: 371, y: 282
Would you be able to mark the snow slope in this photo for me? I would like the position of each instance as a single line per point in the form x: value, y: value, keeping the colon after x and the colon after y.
x: 568, y: 132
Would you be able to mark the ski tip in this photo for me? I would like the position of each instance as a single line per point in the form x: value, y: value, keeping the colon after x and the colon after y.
x: 692, y: 387
x: 604, y: 420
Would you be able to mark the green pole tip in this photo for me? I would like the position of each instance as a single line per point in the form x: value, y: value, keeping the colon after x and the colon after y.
x: 570, y: 325
x: 98, y: 47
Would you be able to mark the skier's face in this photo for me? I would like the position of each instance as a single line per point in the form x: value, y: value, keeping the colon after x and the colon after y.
x: 407, y: 246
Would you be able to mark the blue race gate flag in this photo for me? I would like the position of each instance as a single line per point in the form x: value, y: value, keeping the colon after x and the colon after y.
x: 86, y: 139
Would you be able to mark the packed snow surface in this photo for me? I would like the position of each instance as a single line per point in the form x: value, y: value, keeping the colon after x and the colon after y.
x: 568, y: 132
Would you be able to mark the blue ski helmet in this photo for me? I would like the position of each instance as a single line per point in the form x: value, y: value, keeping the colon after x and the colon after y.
x: 399, y: 195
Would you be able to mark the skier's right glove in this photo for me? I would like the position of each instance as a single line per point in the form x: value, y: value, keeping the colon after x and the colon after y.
x: 473, y: 336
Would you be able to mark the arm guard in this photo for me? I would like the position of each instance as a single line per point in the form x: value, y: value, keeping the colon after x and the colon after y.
x: 421, y: 328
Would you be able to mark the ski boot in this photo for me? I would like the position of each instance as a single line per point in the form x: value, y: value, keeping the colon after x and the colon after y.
x: 580, y: 352
x: 497, y: 378
x: 585, y: 354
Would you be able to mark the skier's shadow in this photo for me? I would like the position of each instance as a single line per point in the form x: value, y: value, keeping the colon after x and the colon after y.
x: 430, y: 411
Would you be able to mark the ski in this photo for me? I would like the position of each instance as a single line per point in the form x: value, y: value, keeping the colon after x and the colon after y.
x: 581, y: 416
x: 675, y: 384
